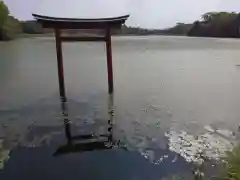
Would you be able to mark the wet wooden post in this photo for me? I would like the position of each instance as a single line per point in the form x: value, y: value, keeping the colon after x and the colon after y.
x: 67, y: 125
x: 109, y: 60
x: 60, y: 64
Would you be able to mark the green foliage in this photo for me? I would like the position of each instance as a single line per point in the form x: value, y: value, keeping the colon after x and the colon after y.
x: 217, y: 17
x: 127, y: 30
x: 232, y: 171
x: 4, y: 12
x: 217, y: 24
x: 213, y: 24
x: 178, y: 29
x: 4, y: 156
x: 9, y: 26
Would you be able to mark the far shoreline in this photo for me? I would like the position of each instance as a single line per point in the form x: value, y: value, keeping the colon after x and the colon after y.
x: 51, y: 35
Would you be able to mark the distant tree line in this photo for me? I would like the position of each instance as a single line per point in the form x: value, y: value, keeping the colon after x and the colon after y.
x: 217, y: 24
x: 212, y: 24
x: 31, y: 27
x: 178, y: 29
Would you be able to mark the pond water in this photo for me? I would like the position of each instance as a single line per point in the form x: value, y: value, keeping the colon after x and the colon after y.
x: 176, y: 104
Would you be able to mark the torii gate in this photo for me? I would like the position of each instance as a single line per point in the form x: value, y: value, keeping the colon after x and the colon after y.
x: 105, y: 24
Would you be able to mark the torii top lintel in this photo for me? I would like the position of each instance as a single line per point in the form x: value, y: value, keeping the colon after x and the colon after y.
x: 74, y: 23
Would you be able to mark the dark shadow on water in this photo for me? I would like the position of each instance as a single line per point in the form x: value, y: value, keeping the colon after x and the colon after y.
x: 86, y: 142
x: 77, y: 155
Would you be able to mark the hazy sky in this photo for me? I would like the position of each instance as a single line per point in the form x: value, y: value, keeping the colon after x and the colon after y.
x: 144, y: 13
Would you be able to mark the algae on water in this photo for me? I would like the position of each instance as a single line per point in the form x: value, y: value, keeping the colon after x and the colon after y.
x: 232, y: 165
x: 194, y: 149
x: 4, y: 155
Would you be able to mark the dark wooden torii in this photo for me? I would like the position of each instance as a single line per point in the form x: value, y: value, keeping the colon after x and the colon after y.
x: 58, y: 24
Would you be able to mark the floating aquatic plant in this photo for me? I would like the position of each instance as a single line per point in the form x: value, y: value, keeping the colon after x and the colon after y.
x: 4, y: 156
x: 196, y: 149
x: 232, y: 162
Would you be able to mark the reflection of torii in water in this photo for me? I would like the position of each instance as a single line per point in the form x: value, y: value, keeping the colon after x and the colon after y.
x: 89, y: 142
